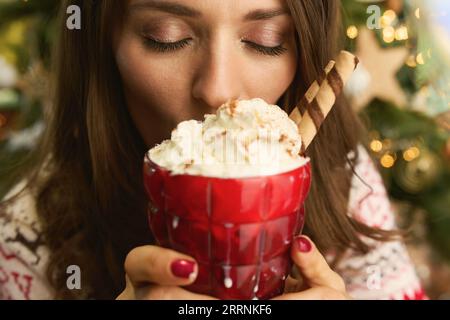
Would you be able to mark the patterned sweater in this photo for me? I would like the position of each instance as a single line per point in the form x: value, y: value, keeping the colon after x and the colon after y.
x: 386, y: 272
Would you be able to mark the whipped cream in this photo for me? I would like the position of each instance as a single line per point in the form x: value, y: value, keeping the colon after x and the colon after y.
x: 244, y: 138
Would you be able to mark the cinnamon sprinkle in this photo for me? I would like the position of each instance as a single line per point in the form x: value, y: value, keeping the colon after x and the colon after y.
x: 259, y: 120
x: 248, y: 142
x: 291, y: 153
x: 283, y: 137
x: 233, y: 105
x: 190, y: 164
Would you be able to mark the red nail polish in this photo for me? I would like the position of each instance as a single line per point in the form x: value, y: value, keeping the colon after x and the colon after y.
x: 182, y: 268
x: 302, y: 244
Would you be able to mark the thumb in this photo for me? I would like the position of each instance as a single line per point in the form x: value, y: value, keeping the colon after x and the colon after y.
x: 128, y: 292
x: 312, y: 265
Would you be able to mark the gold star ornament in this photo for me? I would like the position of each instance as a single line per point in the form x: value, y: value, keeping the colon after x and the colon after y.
x: 382, y: 66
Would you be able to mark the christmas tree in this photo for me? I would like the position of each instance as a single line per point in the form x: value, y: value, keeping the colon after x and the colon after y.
x: 401, y: 90
x: 26, y: 35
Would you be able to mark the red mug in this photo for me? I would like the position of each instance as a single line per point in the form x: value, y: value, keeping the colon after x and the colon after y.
x: 239, y: 230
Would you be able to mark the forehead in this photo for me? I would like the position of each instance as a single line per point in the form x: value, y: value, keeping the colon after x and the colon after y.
x: 215, y: 9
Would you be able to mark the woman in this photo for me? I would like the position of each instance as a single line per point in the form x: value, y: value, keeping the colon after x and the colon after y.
x: 134, y: 70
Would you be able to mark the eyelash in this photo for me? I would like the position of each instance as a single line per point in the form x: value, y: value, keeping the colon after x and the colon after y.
x: 164, y: 47
x: 269, y: 51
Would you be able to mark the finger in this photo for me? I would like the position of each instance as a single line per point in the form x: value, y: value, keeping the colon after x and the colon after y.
x: 168, y: 293
x: 295, y: 273
x: 290, y: 285
x: 294, y: 285
x: 152, y: 264
x: 313, y: 267
x: 318, y: 293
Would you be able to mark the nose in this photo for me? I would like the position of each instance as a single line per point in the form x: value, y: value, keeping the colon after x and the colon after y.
x: 218, y: 78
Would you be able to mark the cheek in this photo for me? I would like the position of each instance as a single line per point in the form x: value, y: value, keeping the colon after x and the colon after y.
x: 150, y: 85
x: 269, y: 78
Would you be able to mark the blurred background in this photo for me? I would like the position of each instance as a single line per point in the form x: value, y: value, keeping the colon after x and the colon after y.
x: 401, y: 90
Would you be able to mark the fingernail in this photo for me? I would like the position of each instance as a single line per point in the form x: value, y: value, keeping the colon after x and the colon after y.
x: 183, y: 268
x: 302, y: 244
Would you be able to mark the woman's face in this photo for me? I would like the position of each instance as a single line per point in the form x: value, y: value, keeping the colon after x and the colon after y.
x: 181, y: 59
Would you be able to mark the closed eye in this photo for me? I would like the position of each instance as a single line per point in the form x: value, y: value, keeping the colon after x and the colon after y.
x: 270, y: 51
x: 163, y: 47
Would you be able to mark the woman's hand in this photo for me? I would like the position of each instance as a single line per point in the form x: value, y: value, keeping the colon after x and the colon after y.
x: 318, y: 281
x: 155, y: 273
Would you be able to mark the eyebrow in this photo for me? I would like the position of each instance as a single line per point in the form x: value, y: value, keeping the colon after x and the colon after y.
x: 169, y: 7
x: 265, y: 14
x: 185, y: 11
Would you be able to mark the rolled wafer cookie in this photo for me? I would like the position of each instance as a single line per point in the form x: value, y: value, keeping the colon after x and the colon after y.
x: 326, y: 96
x: 301, y: 107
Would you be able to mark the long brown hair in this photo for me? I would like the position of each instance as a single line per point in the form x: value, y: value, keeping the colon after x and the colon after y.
x: 91, y: 200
